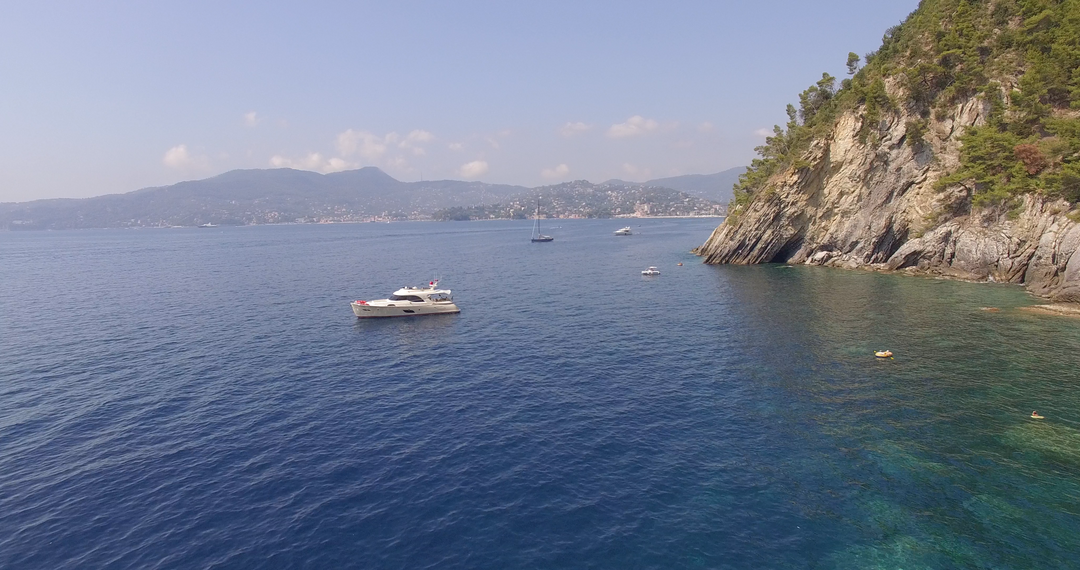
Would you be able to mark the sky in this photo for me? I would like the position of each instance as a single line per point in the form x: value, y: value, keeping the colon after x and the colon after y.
x: 108, y: 97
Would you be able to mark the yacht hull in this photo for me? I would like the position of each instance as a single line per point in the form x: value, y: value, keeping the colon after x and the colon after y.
x: 369, y: 311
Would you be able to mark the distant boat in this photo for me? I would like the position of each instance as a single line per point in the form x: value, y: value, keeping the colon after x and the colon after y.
x: 208, y: 226
x: 537, y: 236
x: 651, y: 271
x: 623, y: 232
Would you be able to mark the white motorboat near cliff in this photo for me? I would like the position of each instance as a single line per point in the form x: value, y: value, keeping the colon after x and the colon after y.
x: 409, y: 302
x: 623, y: 232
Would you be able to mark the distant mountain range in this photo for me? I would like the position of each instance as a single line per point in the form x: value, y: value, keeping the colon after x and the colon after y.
x: 243, y: 197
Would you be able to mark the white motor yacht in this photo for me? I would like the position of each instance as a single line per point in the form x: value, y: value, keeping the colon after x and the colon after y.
x: 651, y: 271
x: 623, y: 232
x: 409, y: 302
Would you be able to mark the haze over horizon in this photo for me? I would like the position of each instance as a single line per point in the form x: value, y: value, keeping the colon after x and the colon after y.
x: 101, y: 100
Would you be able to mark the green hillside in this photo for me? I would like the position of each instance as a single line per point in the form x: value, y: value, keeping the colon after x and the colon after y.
x: 1020, y: 57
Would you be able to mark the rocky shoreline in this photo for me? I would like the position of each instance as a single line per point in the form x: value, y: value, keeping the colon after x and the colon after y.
x: 874, y: 205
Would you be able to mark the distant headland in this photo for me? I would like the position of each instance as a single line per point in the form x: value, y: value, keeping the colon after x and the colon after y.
x: 273, y: 196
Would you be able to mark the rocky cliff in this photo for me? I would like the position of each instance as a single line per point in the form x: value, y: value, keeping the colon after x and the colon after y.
x: 879, y: 202
x: 877, y: 207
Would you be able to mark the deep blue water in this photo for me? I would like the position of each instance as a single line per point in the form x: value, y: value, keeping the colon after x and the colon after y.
x: 205, y: 399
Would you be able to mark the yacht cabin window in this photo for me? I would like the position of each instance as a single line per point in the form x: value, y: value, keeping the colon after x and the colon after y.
x: 412, y: 298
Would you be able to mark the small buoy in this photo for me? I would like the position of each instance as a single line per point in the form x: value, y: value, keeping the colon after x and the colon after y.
x: 883, y: 354
x: 1036, y: 416
x: 680, y: 264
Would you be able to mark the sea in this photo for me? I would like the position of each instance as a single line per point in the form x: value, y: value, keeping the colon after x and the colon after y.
x: 205, y: 398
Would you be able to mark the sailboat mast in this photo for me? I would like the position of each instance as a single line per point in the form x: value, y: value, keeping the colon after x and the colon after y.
x: 537, y: 236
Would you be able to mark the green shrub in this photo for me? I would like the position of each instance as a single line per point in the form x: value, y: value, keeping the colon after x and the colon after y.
x: 916, y: 132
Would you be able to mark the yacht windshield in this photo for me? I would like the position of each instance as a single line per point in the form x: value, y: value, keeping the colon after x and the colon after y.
x: 412, y: 298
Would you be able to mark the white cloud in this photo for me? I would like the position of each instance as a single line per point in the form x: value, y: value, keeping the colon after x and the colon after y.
x: 763, y: 133
x: 178, y: 157
x: 635, y: 171
x: 420, y: 137
x: 559, y: 171
x: 252, y: 119
x: 455, y: 146
x: 398, y: 163
x: 634, y: 126
x: 570, y: 129
x: 382, y: 150
x: 367, y: 145
x: 473, y: 169
x: 336, y: 165
x: 705, y: 127
x: 313, y: 161
x: 494, y: 139
x: 414, y: 140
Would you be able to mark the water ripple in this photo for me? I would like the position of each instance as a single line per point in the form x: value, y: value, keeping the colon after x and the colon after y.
x: 177, y: 399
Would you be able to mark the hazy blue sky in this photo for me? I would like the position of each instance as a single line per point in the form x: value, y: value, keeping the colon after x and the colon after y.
x: 106, y: 97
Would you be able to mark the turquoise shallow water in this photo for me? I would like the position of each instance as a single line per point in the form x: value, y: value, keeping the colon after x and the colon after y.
x: 204, y: 398
x: 929, y: 458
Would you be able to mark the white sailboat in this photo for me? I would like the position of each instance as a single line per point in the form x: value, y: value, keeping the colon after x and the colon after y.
x: 536, y: 235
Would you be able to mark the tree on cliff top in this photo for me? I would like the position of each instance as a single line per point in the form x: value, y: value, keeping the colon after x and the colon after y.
x: 852, y: 63
x: 1021, y: 56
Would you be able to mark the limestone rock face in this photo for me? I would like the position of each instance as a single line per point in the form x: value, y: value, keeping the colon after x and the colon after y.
x: 874, y: 205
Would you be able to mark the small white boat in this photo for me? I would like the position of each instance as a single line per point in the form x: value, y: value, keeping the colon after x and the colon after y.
x: 409, y: 302
x: 623, y: 232
x: 651, y: 271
